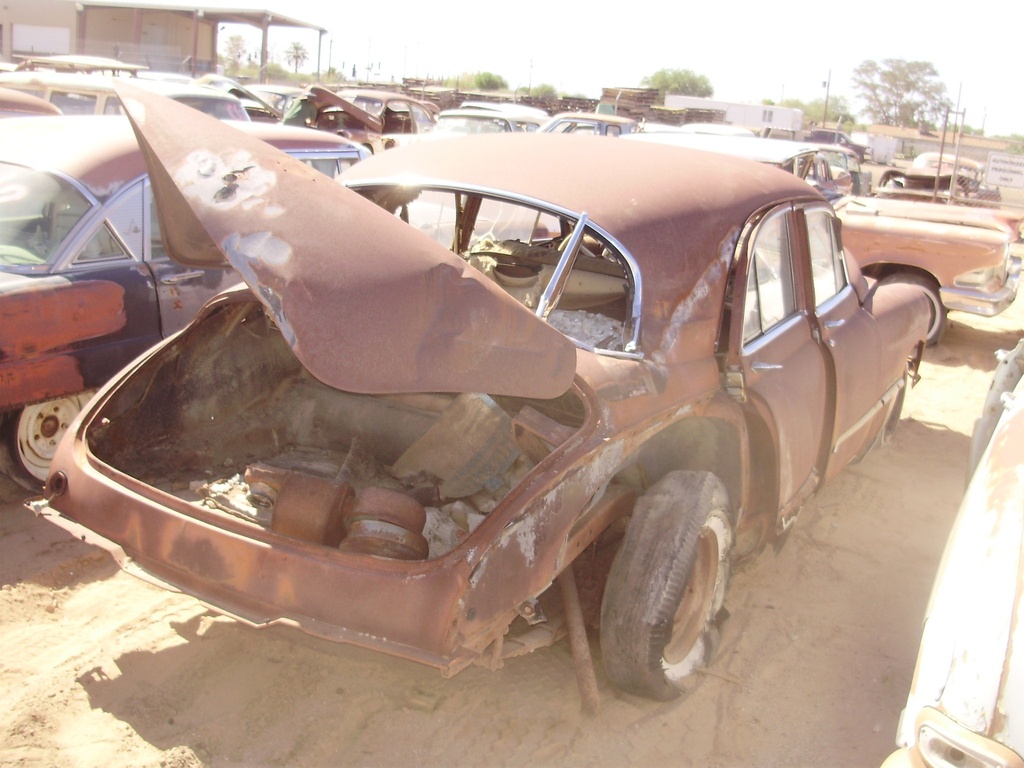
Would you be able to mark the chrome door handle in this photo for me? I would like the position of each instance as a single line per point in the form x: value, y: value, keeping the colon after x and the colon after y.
x: 182, y: 277
x: 766, y: 367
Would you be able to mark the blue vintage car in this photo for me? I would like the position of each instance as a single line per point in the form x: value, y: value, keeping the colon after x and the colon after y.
x: 85, y: 282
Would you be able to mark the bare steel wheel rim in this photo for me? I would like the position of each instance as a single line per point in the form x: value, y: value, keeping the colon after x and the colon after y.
x: 694, y: 609
x: 40, y: 429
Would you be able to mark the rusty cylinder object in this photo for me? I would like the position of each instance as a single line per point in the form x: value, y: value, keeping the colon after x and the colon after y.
x: 385, y: 523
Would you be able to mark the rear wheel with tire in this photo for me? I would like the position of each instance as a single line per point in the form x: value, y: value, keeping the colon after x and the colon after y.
x: 30, y: 438
x: 665, y: 590
x: 937, y: 326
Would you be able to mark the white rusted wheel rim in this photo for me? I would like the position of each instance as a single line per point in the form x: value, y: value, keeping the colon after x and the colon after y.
x: 40, y: 428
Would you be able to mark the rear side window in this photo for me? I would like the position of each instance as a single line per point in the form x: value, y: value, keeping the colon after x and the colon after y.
x: 826, y: 258
x: 74, y: 103
x: 769, y: 298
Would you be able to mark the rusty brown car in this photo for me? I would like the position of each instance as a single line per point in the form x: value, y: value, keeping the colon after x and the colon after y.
x: 454, y: 392
x: 961, y: 256
x: 85, y: 283
x: 21, y: 104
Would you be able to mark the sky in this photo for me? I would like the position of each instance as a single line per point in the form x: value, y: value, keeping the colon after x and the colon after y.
x: 749, y: 51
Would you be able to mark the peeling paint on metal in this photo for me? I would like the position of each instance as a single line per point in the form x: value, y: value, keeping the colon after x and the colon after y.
x: 526, y: 537
x: 691, y: 306
x: 230, y: 181
x: 255, y: 256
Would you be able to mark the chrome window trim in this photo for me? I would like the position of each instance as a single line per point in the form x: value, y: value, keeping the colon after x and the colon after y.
x: 818, y: 205
x: 630, y: 348
x: 785, y: 210
x: 84, y: 230
x: 753, y: 346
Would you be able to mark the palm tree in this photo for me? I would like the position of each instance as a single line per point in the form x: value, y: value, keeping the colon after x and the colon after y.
x: 296, y: 55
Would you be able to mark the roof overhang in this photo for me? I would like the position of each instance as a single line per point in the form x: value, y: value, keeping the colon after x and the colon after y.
x: 221, y: 13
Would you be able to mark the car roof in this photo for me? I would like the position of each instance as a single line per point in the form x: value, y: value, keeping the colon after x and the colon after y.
x: 594, y: 117
x: 838, y: 149
x: 375, y: 93
x: 76, y: 63
x: 505, y: 106
x: 775, y: 151
x: 102, y: 153
x: 931, y: 161
x: 14, y: 103
x: 105, y: 83
x: 508, y: 116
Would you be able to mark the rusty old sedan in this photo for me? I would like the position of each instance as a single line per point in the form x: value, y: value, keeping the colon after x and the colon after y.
x: 492, y: 389
x: 962, y: 257
x: 85, y: 283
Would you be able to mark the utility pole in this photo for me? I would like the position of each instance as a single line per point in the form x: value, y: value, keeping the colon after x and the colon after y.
x: 827, y: 84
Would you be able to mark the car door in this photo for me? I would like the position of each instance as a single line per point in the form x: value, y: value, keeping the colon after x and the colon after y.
x: 850, y: 337
x: 180, y: 290
x: 779, y: 371
x: 106, y: 248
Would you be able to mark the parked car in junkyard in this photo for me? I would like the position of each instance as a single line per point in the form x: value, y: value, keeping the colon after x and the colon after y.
x: 20, y: 104
x: 968, y: 686
x: 89, y: 94
x: 255, y: 107
x: 85, y: 283
x: 838, y: 138
x: 400, y: 115
x: 487, y: 366
x: 845, y: 164
x: 590, y: 123
x: 277, y: 96
x: 514, y: 107
x: 962, y: 257
x: 317, y: 107
x: 934, y: 177
x: 472, y: 120
x: 805, y: 161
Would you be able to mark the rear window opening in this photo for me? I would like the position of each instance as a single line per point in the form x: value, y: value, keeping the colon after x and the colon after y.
x: 520, y: 247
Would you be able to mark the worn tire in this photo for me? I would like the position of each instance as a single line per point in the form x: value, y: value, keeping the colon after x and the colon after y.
x: 937, y: 327
x: 666, y: 587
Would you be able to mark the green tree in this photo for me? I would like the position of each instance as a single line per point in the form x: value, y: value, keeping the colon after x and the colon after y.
x: 544, y: 91
x: 901, y: 93
x: 296, y: 55
x: 488, y: 81
x: 234, y: 54
x: 839, y: 109
x: 681, y: 82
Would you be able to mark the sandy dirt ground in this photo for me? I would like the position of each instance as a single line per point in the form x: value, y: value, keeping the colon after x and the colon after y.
x: 100, y: 669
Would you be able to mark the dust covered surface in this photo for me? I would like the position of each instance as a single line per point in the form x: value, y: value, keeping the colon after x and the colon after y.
x: 100, y: 669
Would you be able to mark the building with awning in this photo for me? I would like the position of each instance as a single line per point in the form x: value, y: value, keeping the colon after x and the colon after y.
x: 166, y: 37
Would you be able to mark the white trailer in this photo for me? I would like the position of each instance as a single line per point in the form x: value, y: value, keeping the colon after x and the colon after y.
x: 754, y: 116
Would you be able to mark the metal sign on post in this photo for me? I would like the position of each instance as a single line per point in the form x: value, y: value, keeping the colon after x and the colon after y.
x: 1004, y: 170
